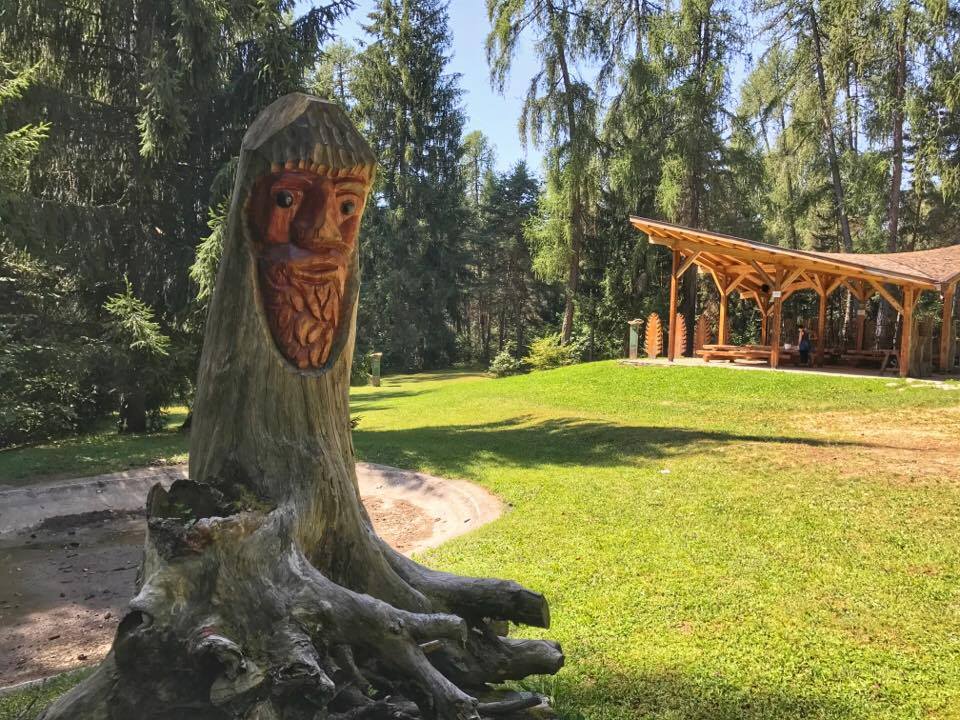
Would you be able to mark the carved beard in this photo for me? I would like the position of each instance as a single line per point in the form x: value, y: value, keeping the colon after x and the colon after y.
x: 302, y: 300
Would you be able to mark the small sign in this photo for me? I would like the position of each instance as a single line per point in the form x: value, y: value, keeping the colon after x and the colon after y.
x: 776, y: 294
x: 861, y: 311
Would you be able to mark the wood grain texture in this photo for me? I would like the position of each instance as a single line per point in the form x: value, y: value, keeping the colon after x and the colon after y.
x: 265, y: 593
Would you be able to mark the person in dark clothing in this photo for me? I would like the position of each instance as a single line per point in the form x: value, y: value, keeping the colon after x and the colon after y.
x: 804, y: 345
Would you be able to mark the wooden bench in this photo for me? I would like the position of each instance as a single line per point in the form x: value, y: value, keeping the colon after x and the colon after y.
x: 855, y: 357
x: 732, y: 353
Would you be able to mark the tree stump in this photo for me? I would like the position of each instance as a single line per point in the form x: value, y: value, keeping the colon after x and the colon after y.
x: 653, y: 339
x: 264, y: 592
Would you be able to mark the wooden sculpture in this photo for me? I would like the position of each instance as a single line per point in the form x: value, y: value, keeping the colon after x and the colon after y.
x: 265, y: 593
x: 680, y: 341
x: 701, y: 332
x: 653, y: 344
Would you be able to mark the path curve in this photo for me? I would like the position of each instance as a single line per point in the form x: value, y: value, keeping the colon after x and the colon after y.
x: 69, y: 551
x: 454, y: 506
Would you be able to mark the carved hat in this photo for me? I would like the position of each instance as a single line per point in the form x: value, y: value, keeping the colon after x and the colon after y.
x: 305, y: 132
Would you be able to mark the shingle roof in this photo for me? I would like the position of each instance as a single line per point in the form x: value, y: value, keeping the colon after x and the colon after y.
x: 929, y: 268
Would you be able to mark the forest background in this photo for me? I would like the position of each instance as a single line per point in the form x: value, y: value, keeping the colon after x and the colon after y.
x: 120, y: 124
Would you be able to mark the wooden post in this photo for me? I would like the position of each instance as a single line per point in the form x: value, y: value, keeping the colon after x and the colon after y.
x: 946, y: 330
x: 821, y: 328
x: 723, y: 326
x: 671, y: 334
x: 634, y: 337
x: 777, y: 322
x: 907, y: 333
x: 375, y: 368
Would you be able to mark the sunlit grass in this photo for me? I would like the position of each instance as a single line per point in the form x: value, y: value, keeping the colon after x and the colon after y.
x: 715, y: 544
x: 98, y: 452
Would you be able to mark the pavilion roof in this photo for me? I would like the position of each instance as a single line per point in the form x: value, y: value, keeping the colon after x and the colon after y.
x: 928, y: 269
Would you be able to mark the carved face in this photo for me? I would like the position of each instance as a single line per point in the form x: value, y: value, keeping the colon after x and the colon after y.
x: 306, y: 226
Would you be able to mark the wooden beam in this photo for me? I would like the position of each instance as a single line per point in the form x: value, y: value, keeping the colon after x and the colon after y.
x: 791, y: 276
x: 885, y: 294
x: 777, y: 256
x: 762, y: 273
x: 834, y: 284
x: 671, y: 335
x: 723, y: 326
x: 821, y: 265
x: 858, y: 288
x: 733, y: 286
x: 687, y: 263
x: 946, y: 330
x: 777, y: 323
x: 908, y: 331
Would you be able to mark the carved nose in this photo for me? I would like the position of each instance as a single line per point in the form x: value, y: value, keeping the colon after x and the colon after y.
x: 315, y: 226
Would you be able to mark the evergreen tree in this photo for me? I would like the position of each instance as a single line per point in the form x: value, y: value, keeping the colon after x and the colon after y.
x: 146, y: 103
x: 520, y: 304
x: 413, y: 244
x: 559, y: 113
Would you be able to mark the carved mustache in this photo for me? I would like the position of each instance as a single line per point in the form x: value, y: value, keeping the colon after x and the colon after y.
x: 303, y: 303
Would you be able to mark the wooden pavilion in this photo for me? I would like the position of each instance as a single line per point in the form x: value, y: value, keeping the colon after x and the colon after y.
x: 768, y: 275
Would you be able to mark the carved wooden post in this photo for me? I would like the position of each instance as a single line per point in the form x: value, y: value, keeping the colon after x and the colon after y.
x: 653, y: 344
x: 265, y: 592
x: 634, y: 337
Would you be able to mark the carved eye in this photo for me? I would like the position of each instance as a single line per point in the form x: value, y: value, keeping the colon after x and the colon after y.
x: 348, y: 207
x: 284, y: 198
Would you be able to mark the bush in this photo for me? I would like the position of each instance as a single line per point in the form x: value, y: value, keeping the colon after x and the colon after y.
x: 504, y: 363
x: 48, y: 357
x: 547, y: 352
x: 360, y: 371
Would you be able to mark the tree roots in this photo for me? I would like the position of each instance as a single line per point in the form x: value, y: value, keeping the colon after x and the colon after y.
x: 233, y: 621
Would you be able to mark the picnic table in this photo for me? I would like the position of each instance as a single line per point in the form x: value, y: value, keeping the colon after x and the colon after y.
x: 732, y: 353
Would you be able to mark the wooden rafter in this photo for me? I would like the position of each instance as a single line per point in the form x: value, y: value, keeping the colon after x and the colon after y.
x: 834, y: 284
x: 885, y: 294
x: 688, y: 263
x: 762, y: 273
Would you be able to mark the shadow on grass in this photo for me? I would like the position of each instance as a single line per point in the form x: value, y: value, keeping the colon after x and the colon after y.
x: 677, y: 696
x: 90, y: 455
x: 518, y: 442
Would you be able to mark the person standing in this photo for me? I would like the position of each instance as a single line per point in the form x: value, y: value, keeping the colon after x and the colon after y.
x: 804, y: 345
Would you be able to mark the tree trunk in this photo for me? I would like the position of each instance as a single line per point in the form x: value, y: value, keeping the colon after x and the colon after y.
x: 827, y: 123
x: 576, y: 205
x: 264, y: 592
x: 885, y: 313
x: 133, y: 410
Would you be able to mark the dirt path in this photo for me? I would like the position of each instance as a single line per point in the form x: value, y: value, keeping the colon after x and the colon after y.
x: 65, y: 580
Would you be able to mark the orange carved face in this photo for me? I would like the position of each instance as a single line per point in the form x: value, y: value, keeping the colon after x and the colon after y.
x: 306, y: 226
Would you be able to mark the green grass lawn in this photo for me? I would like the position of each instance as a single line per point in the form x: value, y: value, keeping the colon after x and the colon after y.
x: 714, y: 543
x: 99, y: 452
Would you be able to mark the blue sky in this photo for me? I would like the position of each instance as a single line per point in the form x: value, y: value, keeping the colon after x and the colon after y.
x: 494, y: 114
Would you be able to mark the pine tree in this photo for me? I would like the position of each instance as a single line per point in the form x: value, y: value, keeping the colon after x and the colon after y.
x: 559, y: 112
x: 147, y: 102
x: 409, y: 106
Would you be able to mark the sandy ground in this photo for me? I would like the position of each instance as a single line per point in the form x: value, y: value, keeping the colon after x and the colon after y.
x: 64, y: 583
